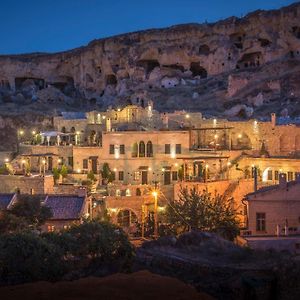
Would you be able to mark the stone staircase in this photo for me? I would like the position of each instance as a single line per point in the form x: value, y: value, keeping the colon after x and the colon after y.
x: 230, y: 189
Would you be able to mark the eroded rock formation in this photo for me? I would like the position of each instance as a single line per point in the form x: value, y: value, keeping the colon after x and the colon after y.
x: 225, y: 62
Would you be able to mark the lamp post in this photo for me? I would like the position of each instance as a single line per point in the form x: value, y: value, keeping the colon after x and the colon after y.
x: 155, y: 194
x: 228, y: 169
x: 206, y: 172
x: 20, y: 133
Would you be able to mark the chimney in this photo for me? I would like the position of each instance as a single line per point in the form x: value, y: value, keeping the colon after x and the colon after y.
x: 108, y: 124
x: 282, y: 180
x: 81, y: 192
x: 166, y: 121
x: 273, y: 120
x: 255, y: 178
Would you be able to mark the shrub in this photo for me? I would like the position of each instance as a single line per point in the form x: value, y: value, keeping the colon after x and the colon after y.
x: 26, y: 257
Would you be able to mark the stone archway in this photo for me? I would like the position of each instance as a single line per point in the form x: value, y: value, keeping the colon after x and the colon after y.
x: 126, y: 218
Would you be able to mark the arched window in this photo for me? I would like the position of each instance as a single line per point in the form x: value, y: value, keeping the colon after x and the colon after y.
x: 149, y: 149
x: 126, y: 218
x: 142, y: 149
x: 128, y: 192
x: 134, y: 152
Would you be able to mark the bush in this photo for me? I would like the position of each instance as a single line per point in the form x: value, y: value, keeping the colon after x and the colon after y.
x: 101, y: 241
x: 26, y: 257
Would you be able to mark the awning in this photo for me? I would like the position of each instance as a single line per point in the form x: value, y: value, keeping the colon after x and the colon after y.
x: 53, y: 133
x: 143, y: 168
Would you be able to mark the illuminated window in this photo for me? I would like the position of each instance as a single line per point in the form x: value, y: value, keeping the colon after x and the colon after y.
x: 128, y: 192
x: 136, y: 176
x: 290, y: 176
x: 118, y: 193
x: 134, y: 152
x: 276, y: 175
x: 51, y: 228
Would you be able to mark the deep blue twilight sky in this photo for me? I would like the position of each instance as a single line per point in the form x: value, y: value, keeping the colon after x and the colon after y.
x: 56, y: 25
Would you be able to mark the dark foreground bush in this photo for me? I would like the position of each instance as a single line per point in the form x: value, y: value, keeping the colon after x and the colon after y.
x: 82, y: 249
x: 27, y: 257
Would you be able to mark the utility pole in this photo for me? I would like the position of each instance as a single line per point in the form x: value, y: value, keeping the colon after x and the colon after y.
x: 155, y: 194
x: 143, y: 220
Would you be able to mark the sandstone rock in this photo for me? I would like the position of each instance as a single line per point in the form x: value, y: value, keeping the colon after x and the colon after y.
x: 195, y: 95
x: 238, y: 110
x: 246, y: 53
x: 52, y: 94
x: 284, y: 113
x: 235, y: 83
x: 20, y: 99
x: 257, y: 101
x: 169, y: 82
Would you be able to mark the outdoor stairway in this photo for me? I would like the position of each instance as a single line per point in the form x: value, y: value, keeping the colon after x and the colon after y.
x: 230, y: 189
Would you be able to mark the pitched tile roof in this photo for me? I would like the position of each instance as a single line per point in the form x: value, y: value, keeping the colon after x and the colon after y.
x: 65, y: 207
x: 5, y: 200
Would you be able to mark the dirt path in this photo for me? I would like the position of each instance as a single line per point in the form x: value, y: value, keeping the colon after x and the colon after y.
x: 137, y: 286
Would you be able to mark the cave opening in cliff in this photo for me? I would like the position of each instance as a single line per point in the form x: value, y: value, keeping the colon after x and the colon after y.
x: 21, y: 82
x: 252, y: 59
x: 296, y: 31
x: 63, y: 83
x: 237, y: 39
x: 4, y: 84
x: 204, y: 50
x: 264, y: 42
x: 175, y: 67
x: 111, y: 79
x: 197, y: 70
x: 148, y: 64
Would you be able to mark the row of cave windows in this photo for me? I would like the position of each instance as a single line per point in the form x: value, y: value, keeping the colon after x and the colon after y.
x: 143, y: 150
x: 290, y: 175
x: 138, y: 149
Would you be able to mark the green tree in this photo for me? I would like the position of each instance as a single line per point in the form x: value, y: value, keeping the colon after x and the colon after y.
x: 27, y: 257
x: 56, y: 174
x: 202, y: 211
x: 101, y: 241
x: 10, y: 223
x: 107, y: 173
x: 29, y: 208
x: 64, y: 171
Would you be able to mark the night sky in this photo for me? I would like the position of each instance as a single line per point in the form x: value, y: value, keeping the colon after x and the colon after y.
x: 56, y: 25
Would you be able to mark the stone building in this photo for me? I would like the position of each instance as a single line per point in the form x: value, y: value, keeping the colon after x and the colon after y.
x: 275, y: 210
x: 67, y: 210
x: 171, y: 150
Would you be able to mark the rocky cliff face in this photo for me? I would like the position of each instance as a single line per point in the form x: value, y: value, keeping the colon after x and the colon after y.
x: 240, y: 66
